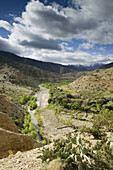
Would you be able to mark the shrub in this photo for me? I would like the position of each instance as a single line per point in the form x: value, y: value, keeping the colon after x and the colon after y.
x: 104, y: 120
x: 24, y: 99
x: 75, y: 151
x: 63, y: 149
x: 97, y: 132
x: 32, y: 105
x: 17, y: 122
x: 34, y: 98
x: 37, y: 89
x: 33, y: 134
x: 31, y: 127
x: 28, y: 127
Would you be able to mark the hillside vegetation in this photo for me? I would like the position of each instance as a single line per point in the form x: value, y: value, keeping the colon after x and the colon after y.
x: 86, y: 105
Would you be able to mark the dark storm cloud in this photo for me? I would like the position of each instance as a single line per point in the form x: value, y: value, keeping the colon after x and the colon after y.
x: 59, y: 25
x: 42, y: 44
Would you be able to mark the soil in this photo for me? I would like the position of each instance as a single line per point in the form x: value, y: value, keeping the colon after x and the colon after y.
x: 52, y: 127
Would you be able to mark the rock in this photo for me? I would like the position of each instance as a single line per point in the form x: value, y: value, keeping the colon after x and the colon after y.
x: 16, y: 142
x: 7, y: 123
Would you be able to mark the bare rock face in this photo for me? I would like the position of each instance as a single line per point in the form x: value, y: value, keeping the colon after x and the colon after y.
x: 7, y: 123
x: 14, y: 142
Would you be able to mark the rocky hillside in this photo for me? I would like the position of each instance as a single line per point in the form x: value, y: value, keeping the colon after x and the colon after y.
x: 7, y: 123
x: 7, y: 57
x: 96, y: 81
x: 28, y: 72
x: 11, y: 108
x: 22, y: 74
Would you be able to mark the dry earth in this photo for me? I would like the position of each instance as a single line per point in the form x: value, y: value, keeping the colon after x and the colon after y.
x: 22, y: 161
x: 52, y: 127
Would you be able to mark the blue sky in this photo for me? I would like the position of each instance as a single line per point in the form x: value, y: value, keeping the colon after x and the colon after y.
x: 66, y: 32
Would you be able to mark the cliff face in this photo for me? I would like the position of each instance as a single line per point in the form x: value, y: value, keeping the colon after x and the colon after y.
x: 7, y: 123
x: 11, y: 140
x: 14, y: 142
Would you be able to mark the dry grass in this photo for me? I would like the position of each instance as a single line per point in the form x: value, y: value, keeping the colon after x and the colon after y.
x: 96, y: 81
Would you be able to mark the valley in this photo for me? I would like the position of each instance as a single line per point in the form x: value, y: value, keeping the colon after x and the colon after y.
x: 72, y: 113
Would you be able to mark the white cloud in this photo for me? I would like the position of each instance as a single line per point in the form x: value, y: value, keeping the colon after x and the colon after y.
x: 79, y: 57
x: 65, y: 47
x: 102, y: 48
x: 41, y: 27
x: 86, y: 46
x: 6, y: 25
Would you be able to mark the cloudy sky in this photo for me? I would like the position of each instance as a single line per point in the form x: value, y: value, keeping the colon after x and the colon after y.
x: 60, y: 31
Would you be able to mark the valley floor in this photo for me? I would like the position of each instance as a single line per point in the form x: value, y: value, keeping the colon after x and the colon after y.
x: 52, y: 127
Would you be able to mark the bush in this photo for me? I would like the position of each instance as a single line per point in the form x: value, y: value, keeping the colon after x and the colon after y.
x: 33, y: 134
x: 104, y: 120
x: 37, y: 89
x: 75, y: 151
x: 24, y: 99
x: 97, y: 132
x: 31, y: 127
x: 34, y: 98
x: 28, y: 127
x: 17, y: 122
x: 32, y: 105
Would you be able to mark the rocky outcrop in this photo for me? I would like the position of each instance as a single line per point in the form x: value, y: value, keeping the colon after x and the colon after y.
x: 10, y: 141
x: 7, y: 123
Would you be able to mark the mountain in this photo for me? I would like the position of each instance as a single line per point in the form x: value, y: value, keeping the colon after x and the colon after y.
x: 86, y: 68
x: 107, y: 66
x: 47, y: 66
x: 18, y: 70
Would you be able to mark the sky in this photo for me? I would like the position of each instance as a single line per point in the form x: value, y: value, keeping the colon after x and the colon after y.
x: 70, y: 32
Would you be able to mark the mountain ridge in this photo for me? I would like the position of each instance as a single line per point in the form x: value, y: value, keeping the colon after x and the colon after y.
x: 47, y: 66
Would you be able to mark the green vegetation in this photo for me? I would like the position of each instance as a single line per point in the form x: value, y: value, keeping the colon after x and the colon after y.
x: 24, y: 99
x: 17, y: 122
x: 32, y: 105
x: 28, y: 128
x: 80, y: 154
x: 82, y: 105
x: 79, y: 102
x: 31, y: 100
x: 37, y: 89
x: 38, y: 117
x: 48, y: 85
x: 33, y: 134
